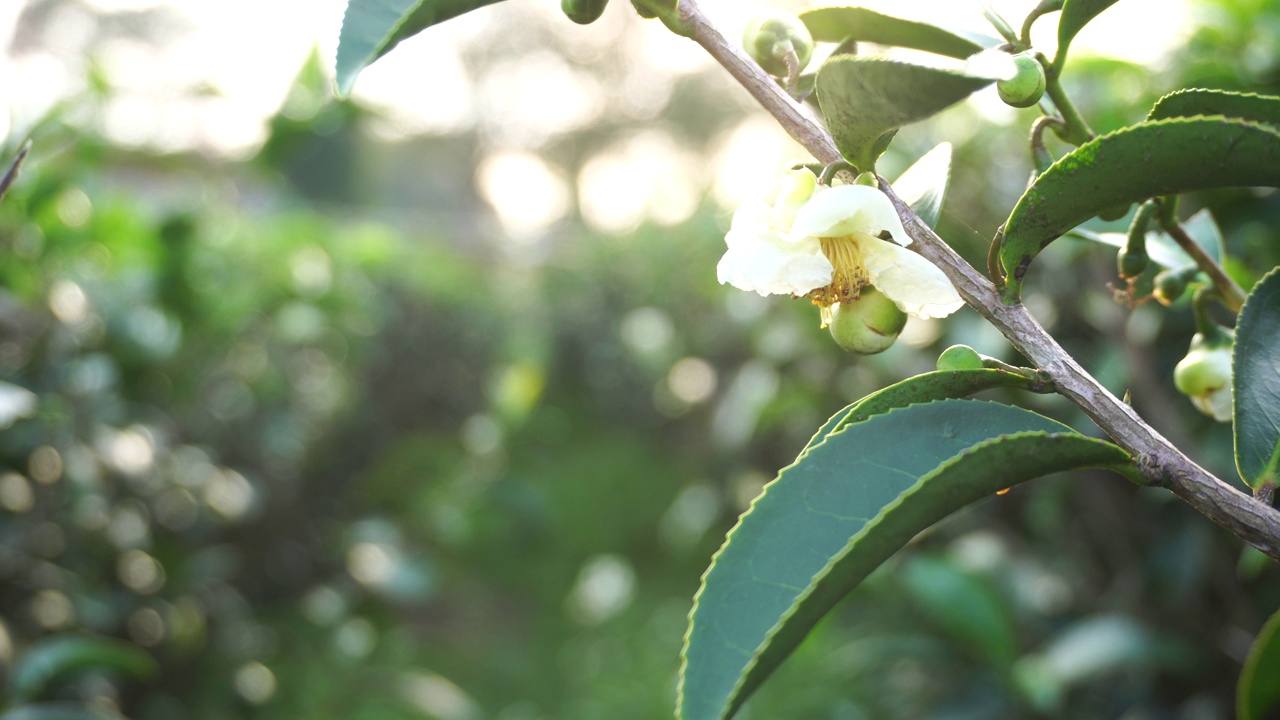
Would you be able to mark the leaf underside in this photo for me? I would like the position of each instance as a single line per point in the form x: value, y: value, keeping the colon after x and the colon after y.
x: 371, y: 28
x: 847, y: 504
x: 1256, y: 378
x: 866, y: 100
x: 837, y: 24
x: 1146, y: 160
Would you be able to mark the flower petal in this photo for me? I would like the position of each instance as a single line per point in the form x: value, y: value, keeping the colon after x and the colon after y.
x: 847, y: 209
x: 917, y: 286
x: 769, y: 265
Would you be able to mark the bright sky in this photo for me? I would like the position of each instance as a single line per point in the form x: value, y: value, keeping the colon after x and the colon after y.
x: 243, y: 55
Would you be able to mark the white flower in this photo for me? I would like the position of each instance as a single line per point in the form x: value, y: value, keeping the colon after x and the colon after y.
x: 828, y: 249
x: 1204, y: 376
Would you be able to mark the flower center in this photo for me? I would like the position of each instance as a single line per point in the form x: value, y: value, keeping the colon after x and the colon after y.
x: 847, y: 279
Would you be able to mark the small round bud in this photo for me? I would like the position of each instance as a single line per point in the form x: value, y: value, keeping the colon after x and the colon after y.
x: 1204, y: 375
x: 868, y: 179
x: 1026, y: 87
x: 1115, y: 212
x: 1131, y: 264
x: 959, y: 357
x: 583, y: 12
x: 1169, y: 287
x: 770, y: 37
x: 868, y: 325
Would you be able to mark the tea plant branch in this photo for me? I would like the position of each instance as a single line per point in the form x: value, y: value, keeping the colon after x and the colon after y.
x: 1233, y: 296
x: 1160, y: 461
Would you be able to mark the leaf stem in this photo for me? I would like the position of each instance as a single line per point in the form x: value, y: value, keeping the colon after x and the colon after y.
x: 1159, y: 460
x: 1076, y: 131
x: 12, y: 173
x: 1233, y: 296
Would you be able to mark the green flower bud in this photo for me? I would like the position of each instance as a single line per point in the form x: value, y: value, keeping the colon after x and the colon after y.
x: 959, y: 357
x: 583, y: 12
x: 868, y: 179
x: 1025, y: 89
x: 1204, y: 375
x: 1170, y: 285
x: 868, y: 325
x: 770, y: 37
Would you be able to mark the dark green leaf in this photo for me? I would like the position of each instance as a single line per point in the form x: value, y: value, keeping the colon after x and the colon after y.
x: 836, y: 24
x: 55, y: 711
x: 1133, y: 164
x: 371, y: 28
x: 1197, y: 101
x: 923, y: 186
x: 866, y: 100
x: 50, y: 659
x: 1258, y: 693
x: 966, y: 607
x: 1075, y: 15
x: 837, y: 513
x: 923, y: 388
x: 1256, y: 383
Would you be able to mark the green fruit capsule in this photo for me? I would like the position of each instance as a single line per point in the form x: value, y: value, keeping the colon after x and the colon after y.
x: 1204, y: 375
x: 959, y: 357
x: 1027, y: 86
x: 868, y: 325
x: 769, y: 38
x: 583, y: 12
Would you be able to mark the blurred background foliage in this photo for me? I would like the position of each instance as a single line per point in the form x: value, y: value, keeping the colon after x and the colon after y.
x: 368, y: 421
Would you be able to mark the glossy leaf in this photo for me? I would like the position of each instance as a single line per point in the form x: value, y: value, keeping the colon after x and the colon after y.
x: 1075, y: 15
x: 57, y: 656
x: 837, y: 513
x: 1133, y: 164
x: 1256, y: 378
x: 964, y: 606
x: 923, y: 186
x: 1258, y: 692
x: 837, y: 24
x: 866, y: 100
x: 371, y: 28
x: 1198, y: 101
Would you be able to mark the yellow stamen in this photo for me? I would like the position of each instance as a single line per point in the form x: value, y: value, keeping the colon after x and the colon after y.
x: 847, y: 279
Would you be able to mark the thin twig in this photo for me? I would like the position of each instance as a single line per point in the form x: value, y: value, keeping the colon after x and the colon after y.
x: 1161, y: 462
x: 12, y: 174
x: 1232, y: 294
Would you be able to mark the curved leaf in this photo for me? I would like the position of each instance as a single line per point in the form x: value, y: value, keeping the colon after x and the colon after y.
x: 837, y: 513
x: 1256, y: 383
x: 1199, y: 101
x: 371, y: 28
x: 923, y: 186
x: 866, y: 100
x: 837, y: 24
x: 1146, y: 160
x: 923, y: 388
x: 1258, y: 692
x: 57, y: 656
x: 1075, y: 15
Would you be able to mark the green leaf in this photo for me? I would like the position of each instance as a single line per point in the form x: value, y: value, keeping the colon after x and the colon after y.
x: 866, y: 100
x: 1256, y: 383
x: 54, y: 657
x: 966, y: 607
x: 923, y: 388
x: 1258, y: 693
x: 923, y: 186
x: 1133, y: 164
x: 1197, y: 101
x: 371, y: 28
x: 55, y: 711
x: 1075, y: 15
x: 837, y: 24
x: 837, y: 513
x: 1161, y: 248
